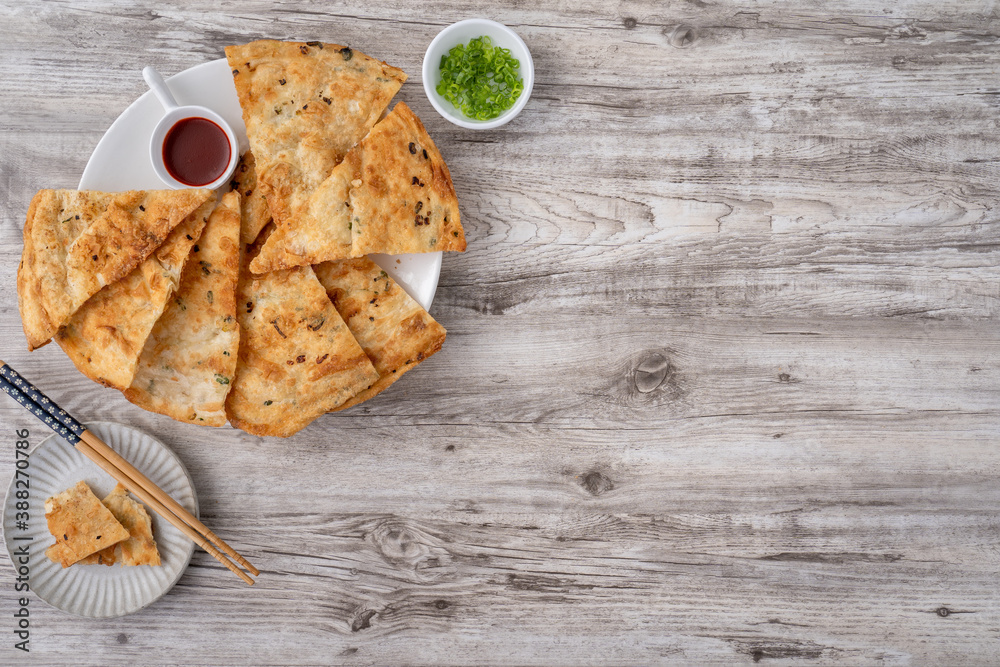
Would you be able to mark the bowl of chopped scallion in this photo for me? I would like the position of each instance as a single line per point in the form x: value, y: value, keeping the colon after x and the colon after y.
x: 478, y: 74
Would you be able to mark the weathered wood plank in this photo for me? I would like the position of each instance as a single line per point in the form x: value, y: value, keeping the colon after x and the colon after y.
x: 721, y: 383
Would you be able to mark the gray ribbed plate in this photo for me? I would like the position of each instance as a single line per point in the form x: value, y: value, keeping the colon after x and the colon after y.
x: 99, y: 591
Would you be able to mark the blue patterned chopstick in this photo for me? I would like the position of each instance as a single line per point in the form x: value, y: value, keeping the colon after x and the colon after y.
x: 40, y: 405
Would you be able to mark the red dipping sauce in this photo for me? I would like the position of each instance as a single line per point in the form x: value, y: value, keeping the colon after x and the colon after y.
x: 196, y: 151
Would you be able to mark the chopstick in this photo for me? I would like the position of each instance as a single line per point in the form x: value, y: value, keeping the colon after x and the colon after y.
x: 121, y: 470
x: 101, y: 449
x: 158, y: 507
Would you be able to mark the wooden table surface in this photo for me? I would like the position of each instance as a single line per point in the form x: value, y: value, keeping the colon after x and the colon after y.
x: 722, y: 377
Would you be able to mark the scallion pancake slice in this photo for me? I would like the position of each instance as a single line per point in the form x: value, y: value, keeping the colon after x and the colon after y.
x: 305, y: 104
x: 391, y: 327
x: 105, y: 337
x: 297, y: 358
x: 77, y: 242
x: 189, y: 360
x: 255, y: 213
x: 392, y: 194
x: 81, y: 524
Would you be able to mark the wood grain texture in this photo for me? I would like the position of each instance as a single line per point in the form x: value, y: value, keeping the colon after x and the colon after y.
x: 722, y: 378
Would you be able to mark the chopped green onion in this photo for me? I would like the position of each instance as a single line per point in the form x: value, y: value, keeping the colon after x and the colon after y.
x: 480, y: 79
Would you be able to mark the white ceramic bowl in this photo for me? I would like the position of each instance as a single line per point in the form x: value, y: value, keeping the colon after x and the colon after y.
x: 174, y: 114
x: 461, y: 33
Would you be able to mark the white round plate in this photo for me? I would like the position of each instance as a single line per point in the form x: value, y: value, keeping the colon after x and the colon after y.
x: 98, y: 591
x: 121, y: 159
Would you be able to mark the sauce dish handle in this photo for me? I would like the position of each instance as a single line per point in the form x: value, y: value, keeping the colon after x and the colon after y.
x: 159, y: 88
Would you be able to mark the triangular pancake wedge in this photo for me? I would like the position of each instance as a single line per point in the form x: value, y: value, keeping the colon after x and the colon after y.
x: 392, y: 194
x: 297, y: 358
x: 80, y: 524
x: 305, y: 104
x: 76, y: 242
x: 139, y: 548
x: 391, y: 327
x: 189, y: 359
x: 105, y: 336
x: 322, y: 233
x: 254, y: 211
x: 406, y: 201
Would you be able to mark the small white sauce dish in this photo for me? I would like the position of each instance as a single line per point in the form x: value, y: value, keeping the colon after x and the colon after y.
x: 174, y: 114
x: 461, y: 33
